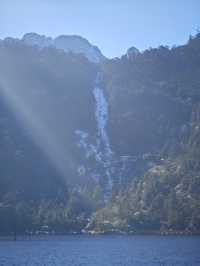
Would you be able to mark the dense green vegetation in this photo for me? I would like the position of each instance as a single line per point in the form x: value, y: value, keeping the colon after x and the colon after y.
x: 165, y: 125
x: 154, y: 107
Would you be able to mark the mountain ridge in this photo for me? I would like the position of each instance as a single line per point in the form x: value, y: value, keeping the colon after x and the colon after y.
x: 73, y: 43
x: 68, y: 43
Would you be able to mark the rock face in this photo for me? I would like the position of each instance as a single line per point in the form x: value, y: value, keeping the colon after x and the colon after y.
x: 68, y: 43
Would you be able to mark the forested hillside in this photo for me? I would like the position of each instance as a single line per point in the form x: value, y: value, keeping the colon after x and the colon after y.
x: 106, y: 147
x: 159, y: 93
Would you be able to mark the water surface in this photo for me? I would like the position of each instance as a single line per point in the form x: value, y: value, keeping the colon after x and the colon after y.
x: 102, y: 251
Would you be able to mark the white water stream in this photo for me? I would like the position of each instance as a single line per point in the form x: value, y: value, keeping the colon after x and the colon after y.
x: 102, y: 148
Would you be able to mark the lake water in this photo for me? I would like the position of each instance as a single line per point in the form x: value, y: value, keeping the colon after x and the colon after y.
x: 102, y: 251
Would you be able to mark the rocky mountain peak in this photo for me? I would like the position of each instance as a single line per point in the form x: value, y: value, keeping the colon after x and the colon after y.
x: 68, y: 43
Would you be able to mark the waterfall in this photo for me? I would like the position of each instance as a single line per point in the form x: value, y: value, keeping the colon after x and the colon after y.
x: 98, y: 147
x: 89, y: 148
x: 101, y: 114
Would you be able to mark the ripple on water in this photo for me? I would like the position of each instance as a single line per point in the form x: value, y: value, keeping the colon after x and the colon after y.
x: 102, y: 251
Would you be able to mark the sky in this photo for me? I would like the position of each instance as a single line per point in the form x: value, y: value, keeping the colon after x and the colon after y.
x: 112, y: 25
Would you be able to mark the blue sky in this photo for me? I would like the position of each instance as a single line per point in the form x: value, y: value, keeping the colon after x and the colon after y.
x: 112, y: 25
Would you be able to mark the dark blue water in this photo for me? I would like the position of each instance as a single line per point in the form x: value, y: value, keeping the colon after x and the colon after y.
x: 102, y: 251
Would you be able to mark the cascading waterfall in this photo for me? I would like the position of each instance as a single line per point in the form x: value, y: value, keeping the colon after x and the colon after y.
x: 102, y: 118
x: 101, y: 114
x: 100, y: 149
x: 97, y: 146
x: 89, y: 148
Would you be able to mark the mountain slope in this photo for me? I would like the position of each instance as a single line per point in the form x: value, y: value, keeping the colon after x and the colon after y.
x: 116, y: 141
x: 163, y: 87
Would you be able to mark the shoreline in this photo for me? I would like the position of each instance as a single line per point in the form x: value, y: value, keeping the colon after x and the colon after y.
x: 44, y: 236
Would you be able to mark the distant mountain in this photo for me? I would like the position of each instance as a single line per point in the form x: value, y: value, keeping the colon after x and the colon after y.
x: 68, y: 43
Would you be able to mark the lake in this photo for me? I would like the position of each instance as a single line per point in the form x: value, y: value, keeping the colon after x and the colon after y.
x: 102, y: 251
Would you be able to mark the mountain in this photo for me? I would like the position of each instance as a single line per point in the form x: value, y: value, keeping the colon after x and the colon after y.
x: 106, y: 147
x: 68, y: 43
